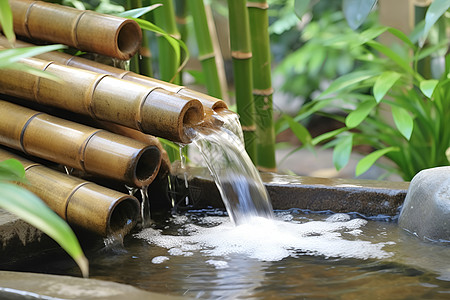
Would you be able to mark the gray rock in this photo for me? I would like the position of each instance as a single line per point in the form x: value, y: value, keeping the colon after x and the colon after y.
x: 426, y: 210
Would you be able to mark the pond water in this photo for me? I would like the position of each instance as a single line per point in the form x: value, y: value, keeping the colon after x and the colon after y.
x: 201, y: 254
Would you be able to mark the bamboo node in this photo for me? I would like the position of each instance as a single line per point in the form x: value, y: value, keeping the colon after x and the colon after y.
x: 206, y: 56
x: 75, y: 30
x: 249, y: 128
x: 90, y: 95
x: 24, y: 128
x: 69, y: 197
x: 141, y: 103
x: 241, y: 55
x: 264, y: 92
x: 26, y: 19
x: 260, y: 5
x: 38, y: 82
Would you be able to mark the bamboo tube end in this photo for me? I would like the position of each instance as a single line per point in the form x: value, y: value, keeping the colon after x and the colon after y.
x: 192, y: 114
x: 147, y: 167
x: 129, y: 39
x: 124, y: 216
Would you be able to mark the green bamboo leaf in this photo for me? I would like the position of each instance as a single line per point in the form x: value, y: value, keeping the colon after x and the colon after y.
x: 356, y: 11
x: 301, y: 7
x: 400, y: 35
x: 12, y: 170
x: 138, y: 12
x: 327, y: 135
x: 174, y: 43
x: 403, y: 121
x: 342, y: 151
x: 299, y: 130
x: 384, y: 83
x: 347, y: 81
x: 360, y: 113
x: 388, y: 52
x: 427, y: 87
x: 6, y: 21
x: 365, y: 163
x: 31, y: 209
x: 371, y: 33
x: 434, y: 12
x: 10, y: 56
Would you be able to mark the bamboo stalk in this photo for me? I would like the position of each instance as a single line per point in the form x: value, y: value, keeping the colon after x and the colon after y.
x: 262, y: 84
x: 205, y: 48
x: 141, y: 62
x: 85, y: 30
x: 82, y: 63
x: 241, y: 53
x: 151, y: 110
x: 181, y: 22
x: 78, y: 146
x: 81, y: 203
x: 164, y: 17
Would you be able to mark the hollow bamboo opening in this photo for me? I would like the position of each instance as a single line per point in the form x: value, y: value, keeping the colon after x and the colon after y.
x: 128, y: 38
x: 148, y: 163
x: 123, y: 215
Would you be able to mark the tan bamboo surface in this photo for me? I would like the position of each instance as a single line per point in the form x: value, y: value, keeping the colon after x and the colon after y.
x: 142, y: 137
x: 85, y: 30
x: 152, y: 110
x: 91, y: 150
x: 86, y: 64
x: 81, y: 203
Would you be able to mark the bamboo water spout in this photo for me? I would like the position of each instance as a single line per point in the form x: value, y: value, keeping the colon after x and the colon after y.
x: 152, y: 110
x: 84, y: 148
x: 86, y: 64
x: 81, y: 203
x: 85, y: 30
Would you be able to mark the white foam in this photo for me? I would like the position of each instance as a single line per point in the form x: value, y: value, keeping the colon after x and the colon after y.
x: 159, y: 259
x: 219, y: 264
x: 272, y: 240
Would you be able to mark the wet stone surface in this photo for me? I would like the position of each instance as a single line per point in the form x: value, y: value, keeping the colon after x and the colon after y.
x: 367, y: 197
x: 426, y: 211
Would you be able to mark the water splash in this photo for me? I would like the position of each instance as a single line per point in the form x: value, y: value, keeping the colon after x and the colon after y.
x: 237, y: 179
x: 336, y: 236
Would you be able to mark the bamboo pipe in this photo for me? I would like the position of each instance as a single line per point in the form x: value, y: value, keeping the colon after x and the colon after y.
x: 86, y: 64
x: 85, y: 30
x: 262, y: 84
x: 81, y: 203
x: 84, y: 148
x: 154, y: 110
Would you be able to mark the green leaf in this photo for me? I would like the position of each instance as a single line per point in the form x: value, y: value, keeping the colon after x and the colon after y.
x: 10, y: 56
x: 403, y: 121
x: 427, y: 87
x: 174, y: 43
x: 342, y: 151
x: 12, y: 170
x: 403, y: 37
x: 138, y: 12
x: 6, y: 21
x: 348, y: 80
x: 356, y: 11
x: 299, y: 130
x: 301, y: 7
x: 360, y: 113
x: 434, y: 12
x: 404, y: 64
x: 384, y: 83
x: 327, y: 135
x: 365, y: 163
x: 32, y: 210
